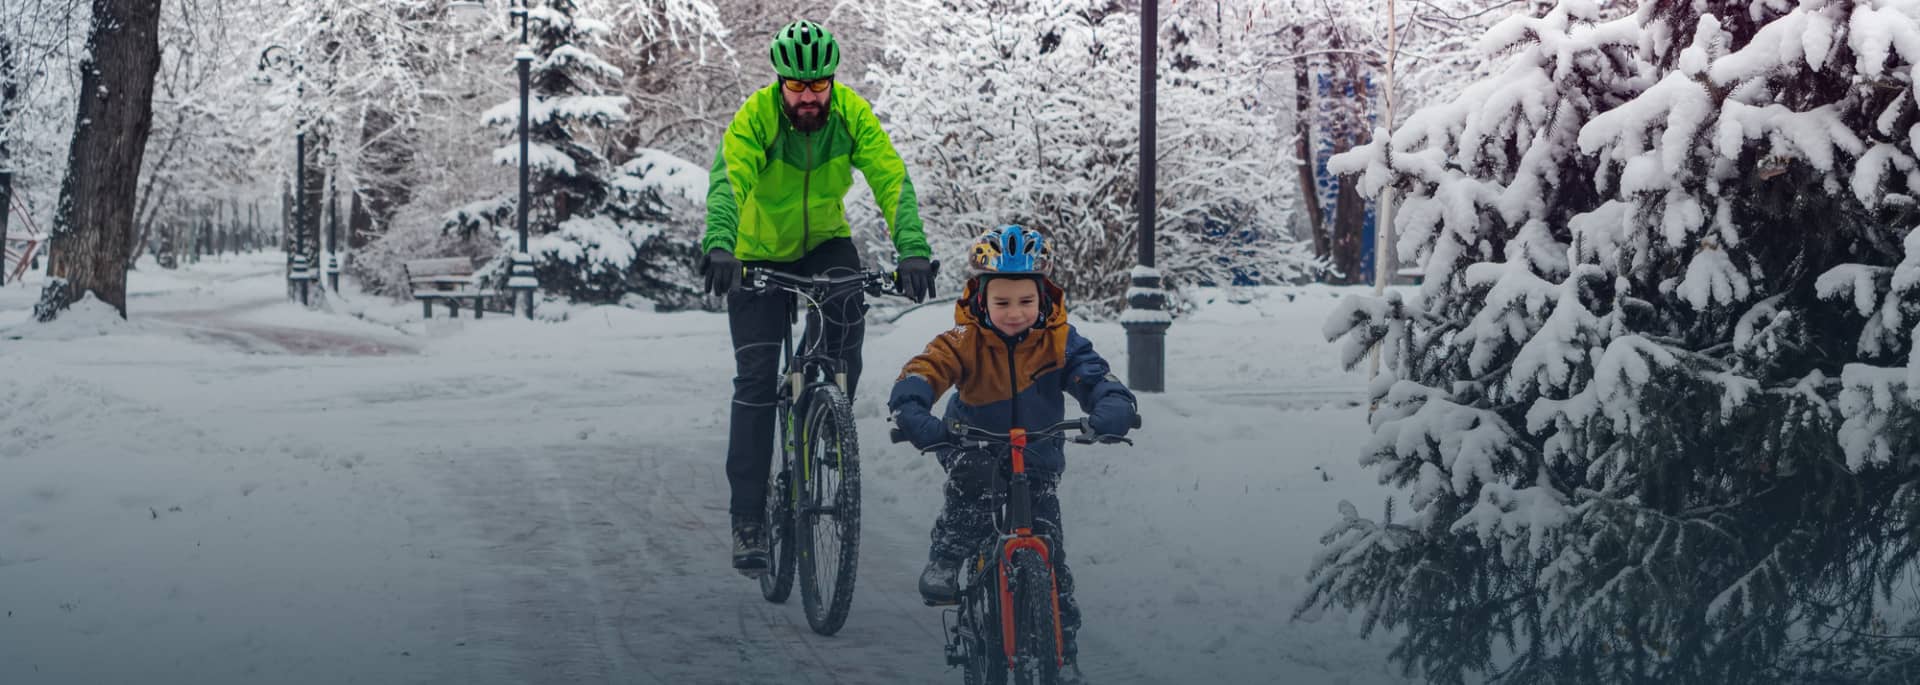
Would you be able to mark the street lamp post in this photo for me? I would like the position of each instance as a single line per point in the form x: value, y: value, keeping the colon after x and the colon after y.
x: 521, y: 278
x: 1146, y: 319
x: 521, y: 281
x: 299, y: 269
x: 333, y: 234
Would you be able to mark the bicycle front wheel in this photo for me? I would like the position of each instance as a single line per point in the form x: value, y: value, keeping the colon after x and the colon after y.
x: 827, y: 511
x: 1036, y: 621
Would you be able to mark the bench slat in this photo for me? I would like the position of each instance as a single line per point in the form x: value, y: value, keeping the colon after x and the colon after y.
x: 439, y: 267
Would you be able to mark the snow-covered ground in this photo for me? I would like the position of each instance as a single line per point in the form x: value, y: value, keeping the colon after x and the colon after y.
x: 230, y: 488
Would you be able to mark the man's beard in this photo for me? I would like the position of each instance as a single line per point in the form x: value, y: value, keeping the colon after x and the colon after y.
x: 807, y: 123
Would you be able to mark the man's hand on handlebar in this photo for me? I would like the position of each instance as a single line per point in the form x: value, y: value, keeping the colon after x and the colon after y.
x: 721, y: 269
x: 916, y: 278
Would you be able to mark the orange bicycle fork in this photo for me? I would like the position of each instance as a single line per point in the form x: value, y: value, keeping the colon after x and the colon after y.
x: 1020, y: 515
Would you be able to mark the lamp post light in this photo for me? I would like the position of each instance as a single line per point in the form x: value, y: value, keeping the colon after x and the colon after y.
x: 299, y: 269
x: 1146, y: 319
x: 520, y: 278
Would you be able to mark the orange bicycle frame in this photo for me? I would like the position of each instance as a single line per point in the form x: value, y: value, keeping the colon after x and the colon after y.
x: 1023, y: 538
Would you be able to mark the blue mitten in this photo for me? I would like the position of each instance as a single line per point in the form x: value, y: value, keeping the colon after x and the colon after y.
x: 923, y: 429
x: 1113, y: 416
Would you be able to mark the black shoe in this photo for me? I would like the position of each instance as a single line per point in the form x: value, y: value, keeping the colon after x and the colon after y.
x: 749, y: 546
x: 940, y: 582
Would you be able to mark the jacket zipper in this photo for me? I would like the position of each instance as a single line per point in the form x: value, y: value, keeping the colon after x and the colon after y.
x: 1013, y: 383
x: 806, y: 191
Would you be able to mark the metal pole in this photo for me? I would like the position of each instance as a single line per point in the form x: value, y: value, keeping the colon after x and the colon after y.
x: 521, y: 278
x: 1149, y: 49
x: 300, y: 209
x: 1146, y: 319
x: 333, y: 232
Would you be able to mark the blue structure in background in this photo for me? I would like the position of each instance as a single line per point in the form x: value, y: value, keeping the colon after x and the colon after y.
x: 1244, y: 272
x: 1328, y: 126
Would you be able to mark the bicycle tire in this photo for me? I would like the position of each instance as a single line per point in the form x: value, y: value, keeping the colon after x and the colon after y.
x: 1036, y: 622
x: 828, y: 433
x: 986, y: 663
x: 777, y: 583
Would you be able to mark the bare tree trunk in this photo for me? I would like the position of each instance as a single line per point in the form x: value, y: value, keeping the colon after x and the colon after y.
x: 94, y: 223
x: 9, y: 93
x: 6, y: 208
x: 1302, y: 149
x: 389, y: 159
x: 311, y: 226
x: 1349, y: 222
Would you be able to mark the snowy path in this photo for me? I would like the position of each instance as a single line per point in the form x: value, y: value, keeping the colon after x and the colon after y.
x: 233, y: 489
x: 228, y: 326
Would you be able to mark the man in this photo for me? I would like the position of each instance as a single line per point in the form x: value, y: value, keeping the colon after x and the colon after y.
x: 777, y: 199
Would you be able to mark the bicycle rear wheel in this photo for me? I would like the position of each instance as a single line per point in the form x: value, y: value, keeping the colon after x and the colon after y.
x: 827, y: 511
x: 777, y: 583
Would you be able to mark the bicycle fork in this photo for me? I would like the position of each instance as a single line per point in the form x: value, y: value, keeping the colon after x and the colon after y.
x: 1020, y: 515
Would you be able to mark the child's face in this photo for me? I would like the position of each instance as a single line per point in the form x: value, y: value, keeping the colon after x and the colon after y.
x: 1013, y: 304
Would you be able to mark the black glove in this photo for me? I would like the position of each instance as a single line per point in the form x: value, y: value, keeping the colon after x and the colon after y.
x: 916, y: 278
x: 722, y: 271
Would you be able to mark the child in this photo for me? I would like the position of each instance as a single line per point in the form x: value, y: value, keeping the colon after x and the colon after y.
x: 1011, y: 357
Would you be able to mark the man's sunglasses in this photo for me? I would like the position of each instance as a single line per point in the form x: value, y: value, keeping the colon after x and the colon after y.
x: 819, y: 86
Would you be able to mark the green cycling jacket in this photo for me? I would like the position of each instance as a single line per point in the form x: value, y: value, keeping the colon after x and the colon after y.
x: 775, y: 193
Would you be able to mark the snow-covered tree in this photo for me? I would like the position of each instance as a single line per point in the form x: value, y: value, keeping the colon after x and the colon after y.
x: 1018, y: 111
x: 1656, y: 402
x: 92, y: 229
x: 40, y: 42
x: 598, y: 232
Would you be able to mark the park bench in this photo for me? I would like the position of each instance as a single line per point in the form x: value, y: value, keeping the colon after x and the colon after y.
x: 447, y: 279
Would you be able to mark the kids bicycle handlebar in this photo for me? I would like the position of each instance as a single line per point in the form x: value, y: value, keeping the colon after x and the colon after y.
x: 971, y: 436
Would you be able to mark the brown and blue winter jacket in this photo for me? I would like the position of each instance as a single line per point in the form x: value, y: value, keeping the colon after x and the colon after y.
x: 1002, y: 382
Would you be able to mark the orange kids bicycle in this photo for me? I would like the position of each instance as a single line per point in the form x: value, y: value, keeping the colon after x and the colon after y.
x: 1007, y: 622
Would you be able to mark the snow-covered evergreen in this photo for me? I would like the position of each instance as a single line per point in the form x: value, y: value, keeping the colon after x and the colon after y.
x: 596, y: 232
x: 1654, y: 404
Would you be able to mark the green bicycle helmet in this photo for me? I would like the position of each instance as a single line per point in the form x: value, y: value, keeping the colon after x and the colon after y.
x: 804, y: 51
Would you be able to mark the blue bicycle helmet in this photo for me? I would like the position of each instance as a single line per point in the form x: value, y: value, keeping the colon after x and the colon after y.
x: 1010, y: 250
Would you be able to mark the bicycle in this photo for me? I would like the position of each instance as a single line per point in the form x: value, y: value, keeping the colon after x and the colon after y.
x: 1007, y: 621
x: 813, y: 494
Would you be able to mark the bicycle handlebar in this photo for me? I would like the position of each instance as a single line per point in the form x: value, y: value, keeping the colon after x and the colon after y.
x: 821, y: 287
x: 981, y: 435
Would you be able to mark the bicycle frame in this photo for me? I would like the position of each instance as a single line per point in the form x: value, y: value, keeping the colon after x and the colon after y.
x: 800, y: 368
x: 1019, y: 535
x: 1020, y: 519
